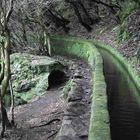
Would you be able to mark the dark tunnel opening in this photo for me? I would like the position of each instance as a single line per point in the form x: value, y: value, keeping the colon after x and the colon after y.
x: 56, y: 78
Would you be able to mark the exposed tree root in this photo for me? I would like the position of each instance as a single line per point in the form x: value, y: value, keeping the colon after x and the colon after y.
x: 48, y: 123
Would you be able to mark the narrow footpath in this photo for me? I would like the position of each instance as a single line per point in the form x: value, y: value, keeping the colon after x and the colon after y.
x: 50, y: 116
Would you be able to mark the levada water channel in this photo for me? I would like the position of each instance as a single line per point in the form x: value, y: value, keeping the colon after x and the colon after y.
x: 123, y: 100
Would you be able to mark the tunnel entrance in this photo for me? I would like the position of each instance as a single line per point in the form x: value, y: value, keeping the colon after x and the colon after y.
x: 123, y: 100
x: 56, y: 78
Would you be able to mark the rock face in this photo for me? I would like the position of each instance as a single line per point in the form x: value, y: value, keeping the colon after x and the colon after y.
x: 30, y: 75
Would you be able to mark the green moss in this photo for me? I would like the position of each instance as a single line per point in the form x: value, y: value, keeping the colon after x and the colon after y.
x: 98, y: 129
x: 124, y: 63
x: 27, y: 96
x: 42, y: 85
x: 30, y: 75
x: 7, y: 100
x: 126, y: 10
x: 66, y: 89
x: 123, y: 34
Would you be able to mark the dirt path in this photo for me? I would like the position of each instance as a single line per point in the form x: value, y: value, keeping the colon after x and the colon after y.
x: 42, y: 118
x: 76, y: 118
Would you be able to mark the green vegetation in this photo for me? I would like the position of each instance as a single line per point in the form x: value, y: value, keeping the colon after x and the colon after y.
x: 126, y: 9
x: 113, y: 1
x: 99, y: 126
x: 123, y: 34
x: 30, y: 75
x: 26, y: 27
x: 66, y: 89
x: 99, y: 121
x: 128, y: 66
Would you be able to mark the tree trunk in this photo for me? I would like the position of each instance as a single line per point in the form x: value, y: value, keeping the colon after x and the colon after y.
x: 49, y: 46
x: 58, y: 21
x: 5, y: 81
x: 24, y: 33
x: 12, y: 103
x: 111, y: 8
x: 86, y: 13
x: 79, y: 16
x: 47, y: 42
x: 4, y: 116
x: 66, y: 21
x: 2, y: 63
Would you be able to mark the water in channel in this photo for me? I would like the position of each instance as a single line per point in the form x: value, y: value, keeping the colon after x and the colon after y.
x: 123, y: 100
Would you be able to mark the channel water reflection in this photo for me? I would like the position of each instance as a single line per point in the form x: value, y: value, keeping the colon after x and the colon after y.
x: 123, y: 100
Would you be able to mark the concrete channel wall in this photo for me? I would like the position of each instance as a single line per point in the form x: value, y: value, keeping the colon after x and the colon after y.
x: 127, y: 66
x: 99, y: 128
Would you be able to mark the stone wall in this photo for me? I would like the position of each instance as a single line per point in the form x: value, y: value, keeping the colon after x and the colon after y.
x: 99, y: 122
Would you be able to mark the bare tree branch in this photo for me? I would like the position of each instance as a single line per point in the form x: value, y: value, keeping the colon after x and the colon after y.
x: 10, y: 10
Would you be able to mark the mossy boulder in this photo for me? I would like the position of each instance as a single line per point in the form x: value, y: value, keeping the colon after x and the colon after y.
x: 30, y: 75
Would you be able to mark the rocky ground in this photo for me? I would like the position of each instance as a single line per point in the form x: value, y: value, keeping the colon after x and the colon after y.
x: 50, y: 115
x: 75, y: 122
x: 40, y: 119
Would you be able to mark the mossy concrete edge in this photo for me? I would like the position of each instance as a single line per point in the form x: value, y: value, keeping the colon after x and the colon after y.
x: 99, y: 128
x: 128, y: 67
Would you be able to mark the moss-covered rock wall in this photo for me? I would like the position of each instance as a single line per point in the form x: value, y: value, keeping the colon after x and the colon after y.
x: 30, y: 76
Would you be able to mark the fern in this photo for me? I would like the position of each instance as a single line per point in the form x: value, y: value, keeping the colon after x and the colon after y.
x: 126, y: 10
x: 2, y: 38
x: 113, y: 2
